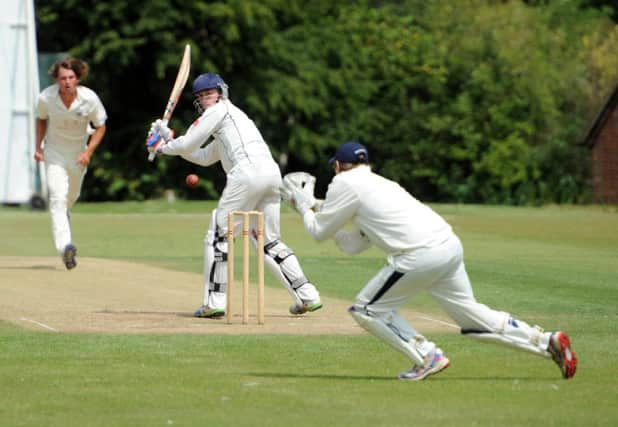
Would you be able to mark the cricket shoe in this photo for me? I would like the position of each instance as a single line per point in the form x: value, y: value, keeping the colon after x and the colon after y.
x: 434, y: 363
x: 305, y: 307
x: 68, y: 256
x: 560, y: 350
x: 210, y: 313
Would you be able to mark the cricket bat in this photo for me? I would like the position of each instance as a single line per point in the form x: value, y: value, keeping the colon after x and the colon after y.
x: 181, y: 79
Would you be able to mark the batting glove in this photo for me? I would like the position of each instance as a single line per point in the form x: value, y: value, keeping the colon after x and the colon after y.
x: 161, y: 128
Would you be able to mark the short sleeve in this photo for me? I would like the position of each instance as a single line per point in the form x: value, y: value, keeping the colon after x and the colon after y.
x: 97, y: 115
x: 41, y: 107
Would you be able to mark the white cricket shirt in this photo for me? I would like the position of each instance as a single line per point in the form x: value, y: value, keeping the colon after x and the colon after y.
x: 236, y: 139
x: 67, y: 128
x: 389, y: 216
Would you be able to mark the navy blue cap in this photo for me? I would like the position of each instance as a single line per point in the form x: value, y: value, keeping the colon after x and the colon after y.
x: 351, y: 152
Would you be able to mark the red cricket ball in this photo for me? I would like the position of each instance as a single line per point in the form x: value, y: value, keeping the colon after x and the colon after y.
x: 192, y: 180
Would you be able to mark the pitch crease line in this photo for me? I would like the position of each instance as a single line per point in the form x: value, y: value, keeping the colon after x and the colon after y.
x: 42, y: 325
x: 438, y: 321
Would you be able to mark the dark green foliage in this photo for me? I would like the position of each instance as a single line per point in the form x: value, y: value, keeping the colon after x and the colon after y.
x: 468, y: 101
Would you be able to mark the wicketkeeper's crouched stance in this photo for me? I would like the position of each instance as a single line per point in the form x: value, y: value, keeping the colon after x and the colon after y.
x: 253, y: 183
x: 423, y: 254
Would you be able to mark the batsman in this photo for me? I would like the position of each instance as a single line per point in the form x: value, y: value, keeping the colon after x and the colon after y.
x: 224, y: 133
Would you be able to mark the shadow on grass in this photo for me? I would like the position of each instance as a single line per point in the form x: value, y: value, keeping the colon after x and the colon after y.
x: 30, y: 267
x: 497, y: 379
x: 320, y: 376
x: 190, y: 314
x: 146, y: 312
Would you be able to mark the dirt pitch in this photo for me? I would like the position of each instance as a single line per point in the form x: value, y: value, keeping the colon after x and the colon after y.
x: 117, y: 297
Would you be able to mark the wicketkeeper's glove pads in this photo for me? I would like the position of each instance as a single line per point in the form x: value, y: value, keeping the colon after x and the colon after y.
x: 297, y: 190
x: 303, y: 180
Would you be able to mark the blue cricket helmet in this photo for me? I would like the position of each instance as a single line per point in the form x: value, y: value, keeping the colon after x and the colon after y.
x: 210, y: 81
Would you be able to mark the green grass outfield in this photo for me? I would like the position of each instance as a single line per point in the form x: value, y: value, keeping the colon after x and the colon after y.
x: 555, y: 266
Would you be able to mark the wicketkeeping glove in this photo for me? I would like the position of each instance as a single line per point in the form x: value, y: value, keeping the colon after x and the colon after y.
x: 303, y: 180
x: 302, y: 201
x: 286, y: 193
x: 302, y: 183
x: 351, y: 242
x: 296, y: 196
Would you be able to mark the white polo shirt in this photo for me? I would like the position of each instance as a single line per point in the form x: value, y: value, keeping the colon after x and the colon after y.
x: 68, y: 128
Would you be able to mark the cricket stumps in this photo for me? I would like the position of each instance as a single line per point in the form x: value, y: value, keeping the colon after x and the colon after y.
x: 247, y: 218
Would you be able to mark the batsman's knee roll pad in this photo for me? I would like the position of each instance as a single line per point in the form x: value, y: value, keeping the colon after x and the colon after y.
x: 280, y: 257
x: 215, y: 258
x: 278, y: 251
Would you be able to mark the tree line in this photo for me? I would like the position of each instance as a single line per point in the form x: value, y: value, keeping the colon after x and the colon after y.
x: 474, y: 101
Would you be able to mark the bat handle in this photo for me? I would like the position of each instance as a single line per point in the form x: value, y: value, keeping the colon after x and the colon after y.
x: 152, y: 141
x: 154, y: 138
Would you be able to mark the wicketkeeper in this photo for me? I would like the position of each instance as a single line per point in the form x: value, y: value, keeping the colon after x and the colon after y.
x: 423, y: 253
x: 253, y: 183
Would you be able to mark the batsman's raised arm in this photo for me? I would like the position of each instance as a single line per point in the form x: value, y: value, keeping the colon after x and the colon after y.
x: 199, y: 132
x: 207, y: 156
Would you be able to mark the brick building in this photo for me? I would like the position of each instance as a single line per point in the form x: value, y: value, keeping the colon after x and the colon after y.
x: 602, y: 138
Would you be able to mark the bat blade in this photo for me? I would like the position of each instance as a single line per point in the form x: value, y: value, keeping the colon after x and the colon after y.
x: 181, y: 80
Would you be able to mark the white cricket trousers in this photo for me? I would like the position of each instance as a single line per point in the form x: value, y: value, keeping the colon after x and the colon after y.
x: 440, y: 270
x: 256, y: 187
x: 64, y: 185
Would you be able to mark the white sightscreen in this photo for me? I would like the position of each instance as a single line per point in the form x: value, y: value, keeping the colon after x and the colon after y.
x: 19, y: 86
